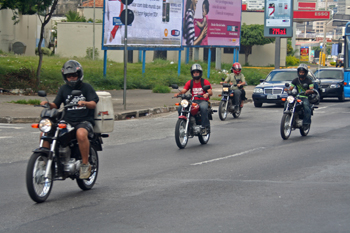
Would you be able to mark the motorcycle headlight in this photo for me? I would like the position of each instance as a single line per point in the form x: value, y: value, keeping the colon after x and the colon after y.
x: 45, y: 125
x: 225, y: 89
x: 258, y: 90
x: 184, y: 103
x: 290, y: 99
x: 335, y: 86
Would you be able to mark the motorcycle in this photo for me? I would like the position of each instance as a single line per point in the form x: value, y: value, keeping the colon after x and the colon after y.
x: 189, y: 122
x: 63, y: 159
x: 226, y: 106
x: 293, y: 115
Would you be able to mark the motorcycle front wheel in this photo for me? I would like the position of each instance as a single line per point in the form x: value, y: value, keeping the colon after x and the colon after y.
x: 181, y: 136
x: 222, y: 111
x: 286, y: 128
x: 89, y: 183
x: 204, y: 139
x: 38, y: 188
x: 304, y: 131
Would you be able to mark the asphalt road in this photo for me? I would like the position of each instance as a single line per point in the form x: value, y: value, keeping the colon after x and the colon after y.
x: 246, y: 179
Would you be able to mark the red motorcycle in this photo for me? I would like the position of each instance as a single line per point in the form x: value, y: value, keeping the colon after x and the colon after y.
x: 189, y: 123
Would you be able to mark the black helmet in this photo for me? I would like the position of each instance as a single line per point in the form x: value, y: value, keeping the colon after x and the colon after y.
x: 196, y: 67
x: 71, y: 67
x: 304, y: 68
x: 315, y: 97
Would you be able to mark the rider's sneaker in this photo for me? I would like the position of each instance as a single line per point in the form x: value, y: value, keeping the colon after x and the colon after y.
x: 85, y: 171
x: 204, y: 131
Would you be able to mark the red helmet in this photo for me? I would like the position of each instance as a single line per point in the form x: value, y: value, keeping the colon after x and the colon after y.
x: 236, y: 68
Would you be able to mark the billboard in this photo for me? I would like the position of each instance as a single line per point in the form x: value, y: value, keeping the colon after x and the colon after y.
x: 278, y: 18
x: 212, y: 22
x: 157, y: 23
x: 304, y: 54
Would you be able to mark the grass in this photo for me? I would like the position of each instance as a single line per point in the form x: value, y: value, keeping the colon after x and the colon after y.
x: 30, y: 101
x: 20, y: 72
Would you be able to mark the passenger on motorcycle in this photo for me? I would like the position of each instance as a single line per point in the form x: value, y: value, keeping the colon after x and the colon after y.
x: 81, y: 117
x: 298, y: 84
x: 237, y: 81
x: 196, y: 89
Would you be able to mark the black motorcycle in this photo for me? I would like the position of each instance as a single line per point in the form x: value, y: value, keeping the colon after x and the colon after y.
x: 63, y: 159
x: 226, y: 106
x: 293, y: 115
x: 189, y: 122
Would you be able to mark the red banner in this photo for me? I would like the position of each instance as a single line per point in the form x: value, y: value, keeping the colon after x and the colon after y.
x: 306, y: 6
x: 311, y: 15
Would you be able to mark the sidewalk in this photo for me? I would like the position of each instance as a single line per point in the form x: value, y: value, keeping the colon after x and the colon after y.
x: 138, y: 103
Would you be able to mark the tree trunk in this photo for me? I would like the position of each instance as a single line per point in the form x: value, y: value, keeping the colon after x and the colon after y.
x: 43, y: 24
x: 247, y: 51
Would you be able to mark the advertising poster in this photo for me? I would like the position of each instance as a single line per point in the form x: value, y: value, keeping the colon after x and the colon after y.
x: 278, y: 13
x: 156, y: 23
x: 304, y: 54
x: 212, y: 22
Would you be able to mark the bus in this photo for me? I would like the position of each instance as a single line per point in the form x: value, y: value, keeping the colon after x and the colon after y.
x: 347, y: 61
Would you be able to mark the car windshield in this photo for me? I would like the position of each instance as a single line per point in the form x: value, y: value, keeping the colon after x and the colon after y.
x: 278, y: 76
x: 329, y: 74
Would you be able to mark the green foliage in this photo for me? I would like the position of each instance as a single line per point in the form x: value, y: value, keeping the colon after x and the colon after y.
x: 253, y: 34
x: 30, y: 101
x: 161, y: 89
x: 89, y: 53
x: 292, y: 61
x: 45, y: 51
x: 332, y: 63
x: 90, y: 20
x: 17, y: 72
x: 74, y: 17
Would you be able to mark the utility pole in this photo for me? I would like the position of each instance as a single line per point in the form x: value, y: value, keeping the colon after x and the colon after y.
x: 324, y: 37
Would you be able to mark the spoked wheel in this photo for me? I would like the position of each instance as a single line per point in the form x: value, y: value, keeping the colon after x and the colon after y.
x: 286, y: 128
x: 181, y: 136
x: 38, y: 188
x: 237, y: 114
x: 222, y: 111
x: 305, y: 131
x: 204, y: 139
x: 89, y: 183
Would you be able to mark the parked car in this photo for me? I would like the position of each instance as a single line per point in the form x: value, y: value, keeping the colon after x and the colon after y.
x: 270, y: 90
x: 332, y: 82
x: 340, y: 60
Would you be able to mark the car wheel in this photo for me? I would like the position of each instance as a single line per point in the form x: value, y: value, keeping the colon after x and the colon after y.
x: 341, y: 98
x: 257, y: 105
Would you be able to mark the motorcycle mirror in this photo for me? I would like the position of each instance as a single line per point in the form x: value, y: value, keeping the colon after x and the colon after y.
x: 206, y: 87
x: 286, y: 84
x: 174, y: 86
x: 42, y: 93
x: 223, y: 79
x: 262, y: 80
x: 76, y: 92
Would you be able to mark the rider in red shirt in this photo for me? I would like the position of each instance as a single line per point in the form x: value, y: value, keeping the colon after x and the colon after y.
x: 197, y: 82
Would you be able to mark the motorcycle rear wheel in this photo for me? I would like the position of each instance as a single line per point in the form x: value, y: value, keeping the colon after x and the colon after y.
x: 305, y: 132
x: 222, y: 111
x: 237, y: 114
x: 204, y: 139
x: 89, y: 183
x: 181, y: 136
x: 285, y: 128
x: 38, y: 188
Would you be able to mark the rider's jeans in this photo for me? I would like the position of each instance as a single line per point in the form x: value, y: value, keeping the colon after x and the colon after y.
x: 203, y: 108
x: 236, y: 96
x: 307, y: 110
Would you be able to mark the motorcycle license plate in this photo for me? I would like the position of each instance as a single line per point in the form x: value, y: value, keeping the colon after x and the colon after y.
x: 271, y: 97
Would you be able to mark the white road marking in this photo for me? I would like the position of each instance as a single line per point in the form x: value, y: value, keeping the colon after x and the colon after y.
x: 229, y: 156
x: 7, y: 126
x: 3, y: 137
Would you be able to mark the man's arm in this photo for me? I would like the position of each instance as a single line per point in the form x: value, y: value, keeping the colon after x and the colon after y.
x: 183, y: 91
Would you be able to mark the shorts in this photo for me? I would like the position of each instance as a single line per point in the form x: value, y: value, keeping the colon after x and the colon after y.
x: 86, y: 125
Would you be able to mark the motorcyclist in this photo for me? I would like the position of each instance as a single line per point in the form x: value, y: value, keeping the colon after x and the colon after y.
x: 298, y: 84
x: 197, y: 89
x: 237, y: 81
x: 81, y: 117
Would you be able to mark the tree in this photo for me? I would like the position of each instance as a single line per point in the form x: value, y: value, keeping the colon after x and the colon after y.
x: 43, y: 8
x: 251, y: 35
x: 74, y: 17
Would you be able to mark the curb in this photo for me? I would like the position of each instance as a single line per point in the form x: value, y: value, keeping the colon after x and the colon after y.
x: 120, y: 116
